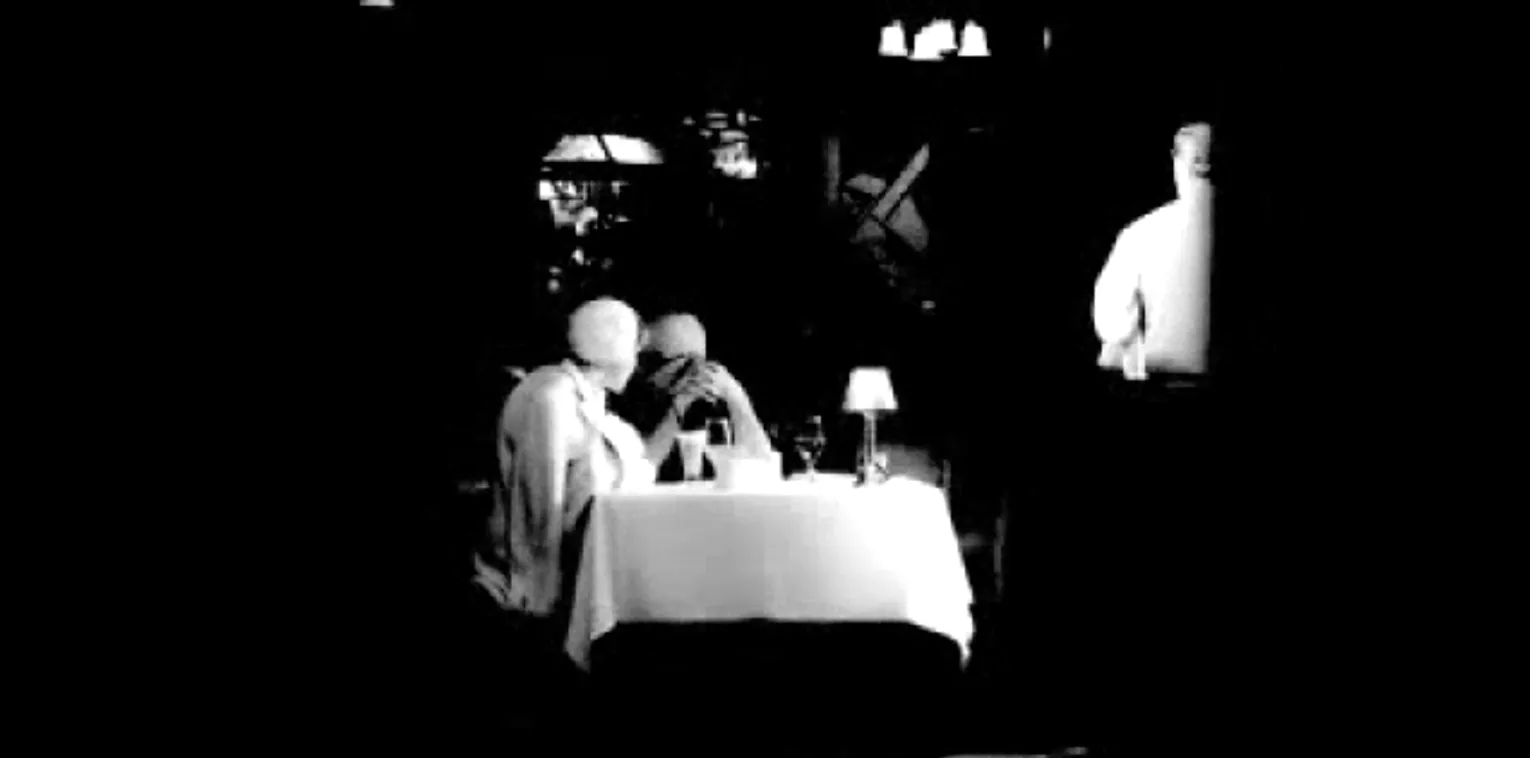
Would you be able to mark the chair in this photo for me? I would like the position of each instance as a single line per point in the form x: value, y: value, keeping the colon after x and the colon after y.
x: 477, y: 478
x: 982, y: 545
x: 917, y: 463
x: 472, y: 496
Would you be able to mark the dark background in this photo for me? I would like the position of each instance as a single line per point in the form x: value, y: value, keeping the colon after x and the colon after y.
x: 415, y: 141
x: 1039, y: 161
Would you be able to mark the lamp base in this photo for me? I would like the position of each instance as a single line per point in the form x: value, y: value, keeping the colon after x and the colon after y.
x: 871, y: 469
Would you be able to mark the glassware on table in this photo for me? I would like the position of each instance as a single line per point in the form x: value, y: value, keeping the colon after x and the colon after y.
x: 719, y: 432
x: 719, y: 440
x: 809, y: 442
x: 693, y: 445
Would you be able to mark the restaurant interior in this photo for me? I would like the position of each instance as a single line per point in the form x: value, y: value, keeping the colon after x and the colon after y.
x: 823, y: 204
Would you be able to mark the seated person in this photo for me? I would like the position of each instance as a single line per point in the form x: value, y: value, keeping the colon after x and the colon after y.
x: 676, y: 388
x: 558, y: 447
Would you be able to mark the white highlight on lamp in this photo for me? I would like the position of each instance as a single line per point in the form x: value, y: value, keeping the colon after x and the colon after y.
x: 894, y: 41
x: 934, y: 41
x: 377, y: 3
x: 974, y: 41
x: 924, y: 47
x: 1046, y: 39
x: 870, y: 390
x: 945, y: 35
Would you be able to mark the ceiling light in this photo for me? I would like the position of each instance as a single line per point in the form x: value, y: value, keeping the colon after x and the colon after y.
x: 934, y: 41
x: 974, y: 41
x: 894, y: 44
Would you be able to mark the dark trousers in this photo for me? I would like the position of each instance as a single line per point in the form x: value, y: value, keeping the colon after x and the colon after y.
x: 1123, y: 564
x: 508, y: 673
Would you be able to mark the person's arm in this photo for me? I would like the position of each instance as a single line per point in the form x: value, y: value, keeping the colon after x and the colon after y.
x: 543, y: 442
x: 1117, y: 304
x: 662, y: 439
x: 686, y: 390
x: 748, y: 432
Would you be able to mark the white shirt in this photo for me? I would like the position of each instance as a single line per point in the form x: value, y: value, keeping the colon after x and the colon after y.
x: 558, y: 448
x: 1156, y: 283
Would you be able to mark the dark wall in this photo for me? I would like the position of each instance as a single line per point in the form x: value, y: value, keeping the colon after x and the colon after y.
x: 1068, y: 147
x: 1076, y: 145
x: 421, y: 276
x: 440, y: 282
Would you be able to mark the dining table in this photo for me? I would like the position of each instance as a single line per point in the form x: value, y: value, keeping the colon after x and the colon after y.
x: 805, y: 606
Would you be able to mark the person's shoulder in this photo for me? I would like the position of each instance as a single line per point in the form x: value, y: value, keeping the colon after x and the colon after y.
x: 1154, y: 218
x: 1147, y: 225
x: 548, y: 387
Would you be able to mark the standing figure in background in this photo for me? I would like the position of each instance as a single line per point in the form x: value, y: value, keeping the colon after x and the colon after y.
x: 1152, y: 299
x: 678, y: 388
x: 1152, y: 315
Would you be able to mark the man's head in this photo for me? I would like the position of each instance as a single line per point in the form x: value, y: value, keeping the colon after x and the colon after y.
x: 1192, y: 158
x: 674, y: 341
x: 675, y: 334
x: 605, y: 335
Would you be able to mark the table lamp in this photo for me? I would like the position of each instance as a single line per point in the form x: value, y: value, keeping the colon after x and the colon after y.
x: 870, y: 392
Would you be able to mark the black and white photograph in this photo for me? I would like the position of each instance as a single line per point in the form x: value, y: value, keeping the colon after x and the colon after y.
x: 864, y: 378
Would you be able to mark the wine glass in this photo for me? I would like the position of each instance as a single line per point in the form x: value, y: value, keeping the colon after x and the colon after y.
x: 809, y: 443
x: 719, y: 432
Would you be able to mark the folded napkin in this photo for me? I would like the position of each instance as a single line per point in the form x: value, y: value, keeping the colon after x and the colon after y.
x: 737, y: 469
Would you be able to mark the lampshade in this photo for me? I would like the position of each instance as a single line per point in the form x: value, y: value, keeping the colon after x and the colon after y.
x: 933, y: 41
x: 974, y: 41
x: 870, y: 390
x: 893, y: 42
x: 945, y: 35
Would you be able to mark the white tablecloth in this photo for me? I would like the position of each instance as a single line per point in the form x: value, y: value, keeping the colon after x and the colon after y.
x: 793, y: 551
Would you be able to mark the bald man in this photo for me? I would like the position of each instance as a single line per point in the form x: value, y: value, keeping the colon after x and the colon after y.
x: 677, y: 387
x: 1152, y: 298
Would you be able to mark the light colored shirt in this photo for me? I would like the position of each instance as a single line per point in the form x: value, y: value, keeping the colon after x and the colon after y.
x: 1156, y: 286
x: 558, y: 448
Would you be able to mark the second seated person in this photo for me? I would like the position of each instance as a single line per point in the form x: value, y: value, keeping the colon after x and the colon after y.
x: 677, y: 388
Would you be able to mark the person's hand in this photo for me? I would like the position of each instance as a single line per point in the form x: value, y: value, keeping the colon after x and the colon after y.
x: 721, y: 384
x: 1128, y: 356
x: 669, y: 372
x: 1111, y: 355
x: 695, y: 384
x: 1134, y: 359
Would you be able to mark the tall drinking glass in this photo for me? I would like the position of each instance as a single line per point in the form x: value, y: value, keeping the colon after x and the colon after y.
x: 693, y: 445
